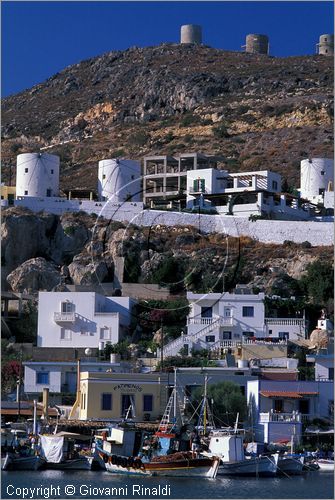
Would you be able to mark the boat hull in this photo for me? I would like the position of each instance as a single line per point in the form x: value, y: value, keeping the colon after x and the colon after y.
x: 252, y: 467
x: 290, y: 466
x: 199, y: 467
x: 83, y: 463
x: 13, y: 462
x: 326, y: 465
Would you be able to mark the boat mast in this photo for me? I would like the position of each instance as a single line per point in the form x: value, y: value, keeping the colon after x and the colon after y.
x: 205, y: 404
x: 175, y: 397
x: 35, y: 418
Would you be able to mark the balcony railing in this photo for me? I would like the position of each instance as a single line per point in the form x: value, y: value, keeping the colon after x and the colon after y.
x: 209, y: 321
x: 280, y: 417
x: 60, y: 317
x: 285, y: 321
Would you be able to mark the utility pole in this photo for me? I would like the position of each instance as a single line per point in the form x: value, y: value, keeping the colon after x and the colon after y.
x: 162, y: 345
x: 18, y: 389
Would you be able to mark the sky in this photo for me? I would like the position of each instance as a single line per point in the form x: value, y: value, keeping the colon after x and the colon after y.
x: 41, y: 38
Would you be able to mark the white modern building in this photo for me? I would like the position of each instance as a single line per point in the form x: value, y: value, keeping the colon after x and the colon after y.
x: 229, y: 319
x: 242, y: 194
x: 81, y: 319
x: 165, y: 177
x: 279, y: 408
x: 119, y: 180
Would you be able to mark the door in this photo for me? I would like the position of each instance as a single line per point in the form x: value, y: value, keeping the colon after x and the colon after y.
x: 127, y: 406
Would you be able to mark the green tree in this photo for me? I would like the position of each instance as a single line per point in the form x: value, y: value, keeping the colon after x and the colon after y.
x: 228, y: 400
x: 318, y: 282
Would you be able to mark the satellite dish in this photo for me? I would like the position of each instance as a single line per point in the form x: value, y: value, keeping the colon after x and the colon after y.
x: 88, y: 351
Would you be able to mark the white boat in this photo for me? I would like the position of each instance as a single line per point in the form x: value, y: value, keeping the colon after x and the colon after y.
x: 15, y: 461
x: 326, y: 465
x: 290, y: 464
x: 228, y: 445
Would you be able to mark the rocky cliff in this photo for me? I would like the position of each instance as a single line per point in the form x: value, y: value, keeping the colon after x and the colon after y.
x: 47, y: 252
x: 258, y: 111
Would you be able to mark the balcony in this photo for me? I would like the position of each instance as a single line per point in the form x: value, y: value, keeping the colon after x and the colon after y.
x: 68, y: 317
x: 280, y: 417
x: 209, y: 321
x: 285, y: 321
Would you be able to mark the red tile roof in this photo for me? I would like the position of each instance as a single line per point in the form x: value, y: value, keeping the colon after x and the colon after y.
x: 287, y: 394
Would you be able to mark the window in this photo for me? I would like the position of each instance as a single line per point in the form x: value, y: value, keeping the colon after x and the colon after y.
x: 210, y: 338
x: 105, y: 334
x: 248, y: 335
x: 321, y: 192
x: 304, y: 406
x: 274, y: 185
x: 283, y: 335
x: 248, y: 311
x: 66, y: 307
x: 48, y: 193
x: 147, y: 402
x: 65, y: 334
x: 225, y: 336
x: 26, y: 170
x: 278, y: 405
x: 199, y: 185
x: 26, y: 192
x: 270, y: 332
x: 104, y: 176
x: 106, y: 401
x: 331, y: 373
x: 227, y: 312
x: 42, y: 378
x: 206, y: 312
x: 52, y: 171
x: 83, y: 332
x: 322, y: 172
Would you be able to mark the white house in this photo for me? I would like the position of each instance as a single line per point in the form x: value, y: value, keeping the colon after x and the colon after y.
x: 61, y: 376
x: 81, y: 319
x: 278, y: 408
x: 242, y: 194
x: 227, y: 319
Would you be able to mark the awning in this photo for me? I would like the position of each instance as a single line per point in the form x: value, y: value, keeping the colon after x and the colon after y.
x: 288, y: 394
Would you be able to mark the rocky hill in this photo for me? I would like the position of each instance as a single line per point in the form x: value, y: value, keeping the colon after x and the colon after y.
x: 257, y: 111
x: 44, y: 252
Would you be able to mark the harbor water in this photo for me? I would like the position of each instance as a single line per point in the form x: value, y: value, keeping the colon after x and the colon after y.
x: 101, y: 484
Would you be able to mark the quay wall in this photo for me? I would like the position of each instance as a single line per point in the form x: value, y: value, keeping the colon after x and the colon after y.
x: 317, y: 232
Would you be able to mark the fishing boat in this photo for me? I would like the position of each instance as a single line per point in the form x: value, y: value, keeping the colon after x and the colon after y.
x: 20, y: 455
x: 166, y: 453
x: 325, y: 465
x: 290, y: 464
x: 59, y: 452
x: 228, y: 445
x: 16, y: 461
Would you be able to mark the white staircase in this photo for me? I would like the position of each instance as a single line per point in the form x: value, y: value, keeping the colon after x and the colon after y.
x: 173, y: 347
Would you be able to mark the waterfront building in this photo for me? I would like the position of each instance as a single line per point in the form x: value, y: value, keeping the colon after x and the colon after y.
x: 81, y: 319
x: 112, y: 396
x: 278, y: 409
